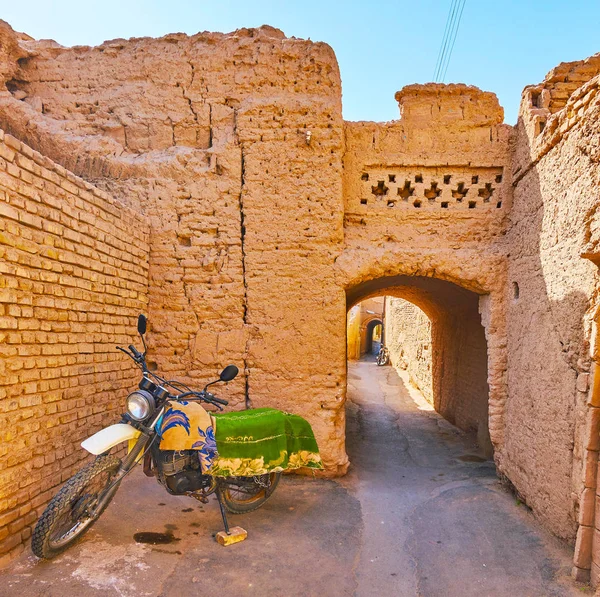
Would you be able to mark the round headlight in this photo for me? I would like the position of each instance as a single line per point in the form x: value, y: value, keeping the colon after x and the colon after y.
x: 140, y: 405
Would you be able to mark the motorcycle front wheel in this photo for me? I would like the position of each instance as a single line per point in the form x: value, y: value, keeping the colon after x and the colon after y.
x: 245, y: 494
x: 67, y: 517
x: 382, y: 359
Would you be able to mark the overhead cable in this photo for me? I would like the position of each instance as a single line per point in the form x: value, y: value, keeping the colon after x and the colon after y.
x: 447, y: 46
x: 443, y: 45
x: 453, y: 40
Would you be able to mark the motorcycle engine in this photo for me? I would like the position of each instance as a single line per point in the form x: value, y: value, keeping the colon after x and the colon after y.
x: 181, y: 469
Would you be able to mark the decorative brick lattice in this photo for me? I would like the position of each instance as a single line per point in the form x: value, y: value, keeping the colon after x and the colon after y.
x: 427, y: 188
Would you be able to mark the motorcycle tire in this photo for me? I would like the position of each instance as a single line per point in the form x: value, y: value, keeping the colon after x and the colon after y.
x: 67, y: 507
x: 251, y: 497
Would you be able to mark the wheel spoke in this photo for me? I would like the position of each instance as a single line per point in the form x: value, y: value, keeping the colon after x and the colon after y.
x: 248, y: 490
x: 77, y: 517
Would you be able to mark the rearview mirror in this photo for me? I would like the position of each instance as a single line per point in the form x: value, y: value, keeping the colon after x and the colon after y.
x: 229, y: 373
x: 142, y: 321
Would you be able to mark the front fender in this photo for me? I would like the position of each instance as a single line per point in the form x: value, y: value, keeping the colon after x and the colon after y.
x: 109, y: 437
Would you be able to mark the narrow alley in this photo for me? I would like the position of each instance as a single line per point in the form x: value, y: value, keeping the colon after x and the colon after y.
x: 420, y: 513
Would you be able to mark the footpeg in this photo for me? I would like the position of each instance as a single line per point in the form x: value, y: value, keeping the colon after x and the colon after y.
x: 200, y: 496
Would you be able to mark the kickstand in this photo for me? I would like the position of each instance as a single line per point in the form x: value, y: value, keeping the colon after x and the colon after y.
x: 223, y: 512
x: 228, y: 536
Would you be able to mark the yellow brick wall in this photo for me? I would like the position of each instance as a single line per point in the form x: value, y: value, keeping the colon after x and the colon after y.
x: 73, y: 278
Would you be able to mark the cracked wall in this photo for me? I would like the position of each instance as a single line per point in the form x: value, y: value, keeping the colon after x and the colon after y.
x: 267, y: 212
x: 194, y: 144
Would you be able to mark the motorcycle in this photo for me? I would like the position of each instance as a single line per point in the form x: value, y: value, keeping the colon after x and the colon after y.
x: 383, y: 357
x: 238, y: 456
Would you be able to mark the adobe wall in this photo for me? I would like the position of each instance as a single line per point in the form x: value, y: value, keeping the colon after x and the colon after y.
x: 459, y: 355
x: 194, y: 144
x: 73, y: 278
x: 250, y: 254
x: 408, y: 338
x: 191, y: 131
x: 353, y: 333
x: 444, y: 355
x: 270, y: 216
x: 429, y: 195
x: 359, y: 317
x: 551, y: 293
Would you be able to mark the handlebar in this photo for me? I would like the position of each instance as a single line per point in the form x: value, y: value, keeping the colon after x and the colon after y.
x: 213, y: 398
x: 135, y: 352
x: 206, y: 396
x: 140, y: 359
x: 132, y: 352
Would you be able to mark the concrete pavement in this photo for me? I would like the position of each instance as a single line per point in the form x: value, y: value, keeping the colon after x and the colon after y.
x: 420, y: 513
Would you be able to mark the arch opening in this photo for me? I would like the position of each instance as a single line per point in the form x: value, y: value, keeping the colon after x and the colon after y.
x: 365, y: 327
x: 373, y: 336
x: 457, y: 360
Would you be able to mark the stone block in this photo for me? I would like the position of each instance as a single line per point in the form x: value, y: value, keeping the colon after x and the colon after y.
x: 6, y: 153
x: 12, y: 142
x: 595, y: 575
x: 583, y: 382
x: 594, y: 398
x: 595, y: 553
x: 587, y: 507
x: 592, y: 432
x: 236, y: 534
x: 584, y: 546
x: 580, y: 574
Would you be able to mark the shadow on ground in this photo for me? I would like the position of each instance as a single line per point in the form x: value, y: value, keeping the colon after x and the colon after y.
x: 420, y: 513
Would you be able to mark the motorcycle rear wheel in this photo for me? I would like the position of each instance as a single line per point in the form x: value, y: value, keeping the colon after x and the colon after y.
x: 245, y: 494
x: 66, y: 518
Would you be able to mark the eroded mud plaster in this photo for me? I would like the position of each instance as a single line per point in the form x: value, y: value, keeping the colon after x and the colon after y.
x: 269, y: 216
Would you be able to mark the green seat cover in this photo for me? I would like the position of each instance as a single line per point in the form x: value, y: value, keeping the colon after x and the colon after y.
x: 263, y: 440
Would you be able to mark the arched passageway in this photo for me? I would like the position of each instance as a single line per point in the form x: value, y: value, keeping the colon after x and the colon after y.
x: 458, y: 346
x: 373, y: 335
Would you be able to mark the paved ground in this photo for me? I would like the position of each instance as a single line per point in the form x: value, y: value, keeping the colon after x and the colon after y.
x: 419, y: 514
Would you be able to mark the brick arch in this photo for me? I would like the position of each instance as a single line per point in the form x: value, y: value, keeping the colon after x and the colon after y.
x: 459, y: 345
x: 368, y: 269
x: 368, y: 326
x: 368, y: 320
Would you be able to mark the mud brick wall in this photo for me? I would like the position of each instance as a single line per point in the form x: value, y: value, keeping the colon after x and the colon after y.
x: 271, y: 216
x: 551, y: 291
x: 208, y: 135
x: 408, y: 338
x: 429, y: 195
x: 361, y: 320
x: 73, y: 278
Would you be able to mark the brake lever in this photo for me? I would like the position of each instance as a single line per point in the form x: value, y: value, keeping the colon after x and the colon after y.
x: 207, y: 397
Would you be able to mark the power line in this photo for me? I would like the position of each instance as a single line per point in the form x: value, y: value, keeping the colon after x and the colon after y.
x: 453, y: 40
x: 450, y: 34
x: 444, y: 43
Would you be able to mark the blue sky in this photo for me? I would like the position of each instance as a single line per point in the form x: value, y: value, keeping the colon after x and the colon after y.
x: 381, y: 45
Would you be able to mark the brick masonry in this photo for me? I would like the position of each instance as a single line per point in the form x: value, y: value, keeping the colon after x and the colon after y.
x: 271, y: 216
x: 73, y: 278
